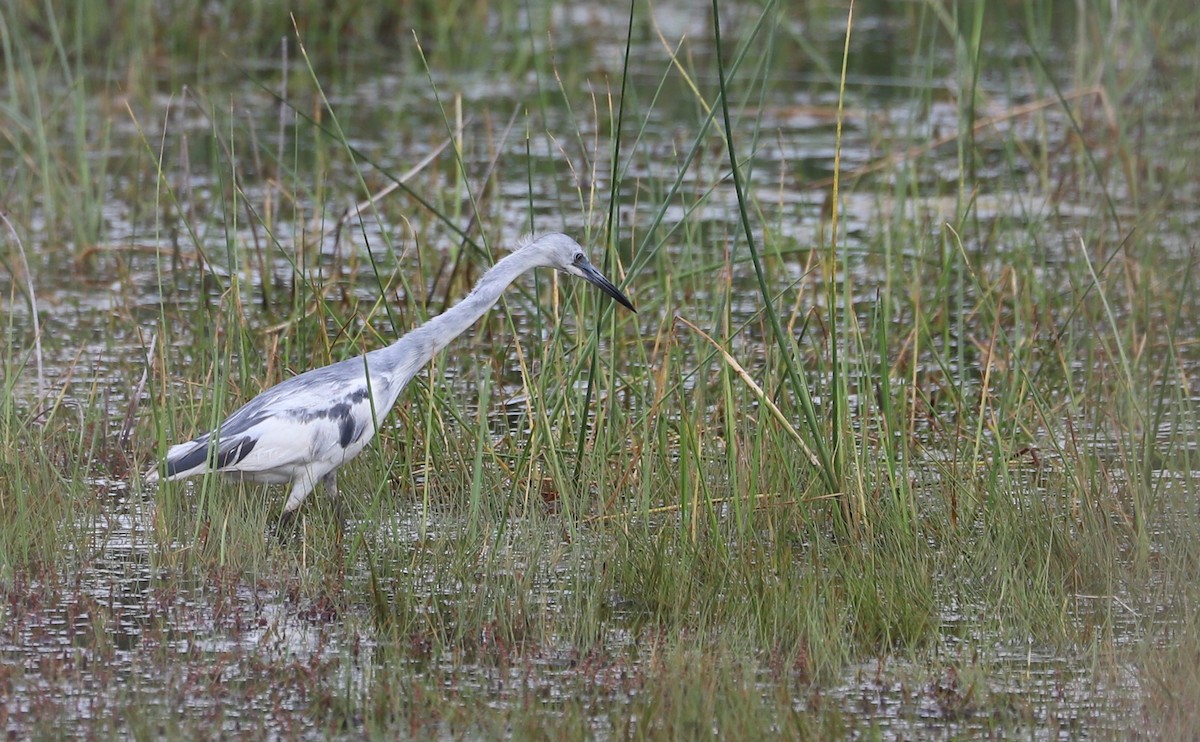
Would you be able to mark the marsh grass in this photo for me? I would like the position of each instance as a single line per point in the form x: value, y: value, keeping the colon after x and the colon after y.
x: 580, y: 520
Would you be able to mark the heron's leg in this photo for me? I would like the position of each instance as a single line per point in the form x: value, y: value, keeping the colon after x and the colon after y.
x: 301, y: 486
x: 339, y: 503
x: 285, y: 528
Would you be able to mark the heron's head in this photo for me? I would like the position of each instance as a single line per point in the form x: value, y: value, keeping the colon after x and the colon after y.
x: 565, y: 254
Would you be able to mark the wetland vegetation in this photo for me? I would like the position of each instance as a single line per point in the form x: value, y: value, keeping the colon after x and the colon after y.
x: 902, y: 441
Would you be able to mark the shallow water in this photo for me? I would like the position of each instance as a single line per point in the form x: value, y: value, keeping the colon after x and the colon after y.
x: 124, y: 620
x: 253, y: 656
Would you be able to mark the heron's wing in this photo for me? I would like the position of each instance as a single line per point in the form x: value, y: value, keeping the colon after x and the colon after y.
x: 307, y: 419
x: 323, y: 415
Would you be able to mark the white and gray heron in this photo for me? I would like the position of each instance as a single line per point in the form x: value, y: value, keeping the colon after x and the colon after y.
x: 301, y: 430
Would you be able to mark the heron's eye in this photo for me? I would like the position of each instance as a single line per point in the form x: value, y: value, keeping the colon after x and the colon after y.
x: 580, y: 258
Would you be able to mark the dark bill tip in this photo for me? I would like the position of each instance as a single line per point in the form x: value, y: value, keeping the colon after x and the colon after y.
x: 597, y: 278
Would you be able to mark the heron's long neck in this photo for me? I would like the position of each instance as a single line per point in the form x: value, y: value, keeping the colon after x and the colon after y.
x: 418, y: 347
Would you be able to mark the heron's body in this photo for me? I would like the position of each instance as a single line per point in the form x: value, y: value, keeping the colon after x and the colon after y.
x: 300, y: 431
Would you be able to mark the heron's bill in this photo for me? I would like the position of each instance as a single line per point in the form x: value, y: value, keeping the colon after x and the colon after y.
x: 597, y: 278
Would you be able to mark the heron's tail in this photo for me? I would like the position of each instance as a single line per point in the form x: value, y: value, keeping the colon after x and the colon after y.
x: 185, y: 460
x: 182, y: 460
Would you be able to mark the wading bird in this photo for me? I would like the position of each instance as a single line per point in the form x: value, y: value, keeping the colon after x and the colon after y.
x: 301, y: 430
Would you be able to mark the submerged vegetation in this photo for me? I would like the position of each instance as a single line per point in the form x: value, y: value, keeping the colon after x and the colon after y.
x: 903, y: 436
